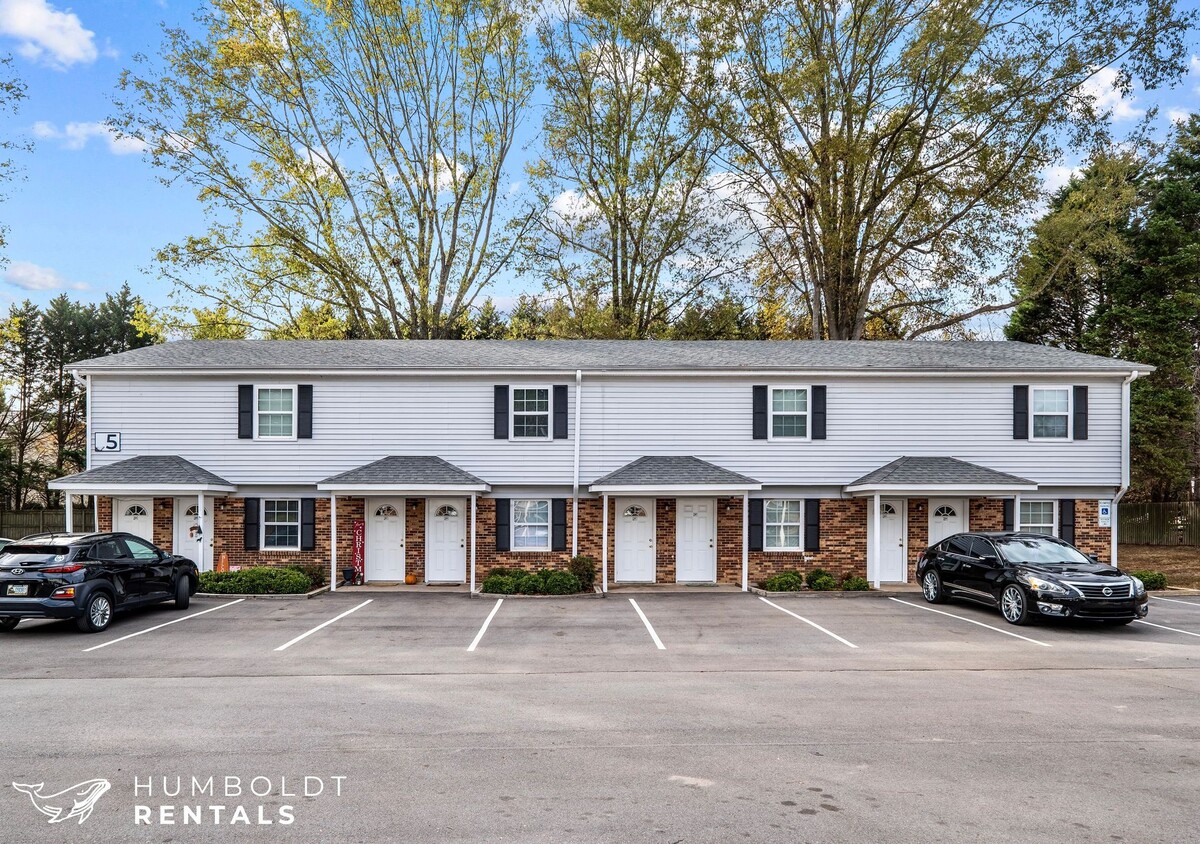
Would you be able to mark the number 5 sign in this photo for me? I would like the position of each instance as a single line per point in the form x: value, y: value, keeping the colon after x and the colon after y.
x: 107, y: 442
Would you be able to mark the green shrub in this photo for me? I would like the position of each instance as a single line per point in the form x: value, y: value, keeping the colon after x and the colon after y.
x: 499, y: 584
x: 503, y: 571
x: 258, y: 580
x: 784, y: 581
x: 1152, y: 579
x: 560, y: 583
x: 584, y: 568
x: 815, y: 575
x: 531, y: 584
x: 854, y: 583
x: 318, y: 574
x: 822, y: 583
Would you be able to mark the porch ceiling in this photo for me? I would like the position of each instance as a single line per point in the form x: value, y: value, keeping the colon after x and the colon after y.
x: 932, y: 475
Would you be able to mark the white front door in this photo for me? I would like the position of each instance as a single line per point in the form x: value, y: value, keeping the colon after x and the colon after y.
x: 445, y: 540
x: 947, y: 516
x: 134, y: 515
x: 634, y: 540
x: 695, y: 541
x: 893, y: 551
x: 185, y: 538
x: 385, y: 539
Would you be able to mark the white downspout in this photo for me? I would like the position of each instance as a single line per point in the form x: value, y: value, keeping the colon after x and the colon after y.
x: 333, y: 562
x: 1112, y: 531
x: 575, y: 476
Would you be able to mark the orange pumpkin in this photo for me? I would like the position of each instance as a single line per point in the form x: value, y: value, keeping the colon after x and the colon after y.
x: 410, y: 579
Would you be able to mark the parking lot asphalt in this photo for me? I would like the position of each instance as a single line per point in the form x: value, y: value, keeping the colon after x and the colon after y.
x: 657, y: 718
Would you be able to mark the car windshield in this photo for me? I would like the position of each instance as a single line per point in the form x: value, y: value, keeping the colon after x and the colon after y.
x: 1032, y: 549
x: 33, y: 555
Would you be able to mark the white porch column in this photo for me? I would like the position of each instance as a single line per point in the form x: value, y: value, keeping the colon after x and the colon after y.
x: 70, y: 513
x: 332, y: 542
x: 1016, y: 513
x: 200, y: 537
x: 473, y: 496
x: 745, y: 542
x: 96, y: 513
x: 1112, y: 535
x: 874, y: 559
x: 604, y: 540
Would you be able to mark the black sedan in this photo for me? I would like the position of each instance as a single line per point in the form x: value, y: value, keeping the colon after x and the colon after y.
x: 88, y: 577
x: 1029, y: 575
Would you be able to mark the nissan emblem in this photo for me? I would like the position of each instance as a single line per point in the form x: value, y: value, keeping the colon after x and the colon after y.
x: 1107, y: 591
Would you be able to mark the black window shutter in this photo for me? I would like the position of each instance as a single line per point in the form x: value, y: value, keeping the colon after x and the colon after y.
x: 503, y: 523
x: 818, y: 413
x: 558, y: 524
x: 756, y: 524
x: 560, y: 411
x: 245, y: 411
x: 1020, y: 412
x: 1008, y: 514
x: 250, y: 524
x: 501, y: 413
x: 1079, y: 428
x: 1066, y: 519
x: 812, y: 524
x: 304, y: 412
x: 760, y: 412
x: 308, y: 524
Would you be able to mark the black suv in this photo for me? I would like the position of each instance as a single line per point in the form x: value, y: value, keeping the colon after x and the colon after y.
x: 1028, y: 575
x: 88, y: 577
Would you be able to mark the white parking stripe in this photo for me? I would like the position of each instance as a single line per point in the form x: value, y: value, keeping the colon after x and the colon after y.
x: 972, y: 621
x: 657, y: 641
x: 160, y: 626
x: 1161, y: 627
x: 486, y: 622
x: 810, y: 623
x: 323, y: 624
x: 1177, y: 601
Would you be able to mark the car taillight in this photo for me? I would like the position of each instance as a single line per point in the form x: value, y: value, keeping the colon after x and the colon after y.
x: 63, y: 593
x: 67, y: 569
x: 920, y: 558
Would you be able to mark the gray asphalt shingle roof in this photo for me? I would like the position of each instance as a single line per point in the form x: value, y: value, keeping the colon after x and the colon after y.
x: 148, y: 470
x: 673, y: 471
x: 594, y: 355
x: 925, y: 471
x: 406, y: 470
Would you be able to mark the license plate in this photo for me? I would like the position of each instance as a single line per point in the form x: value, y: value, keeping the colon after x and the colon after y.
x: 18, y: 591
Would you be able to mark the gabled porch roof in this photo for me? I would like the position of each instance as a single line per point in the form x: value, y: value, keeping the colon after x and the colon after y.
x: 404, y: 474
x: 925, y: 475
x: 147, y: 474
x: 675, y: 474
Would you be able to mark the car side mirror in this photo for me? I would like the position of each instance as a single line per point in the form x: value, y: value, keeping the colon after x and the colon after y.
x: 989, y: 558
x: 1093, y: 558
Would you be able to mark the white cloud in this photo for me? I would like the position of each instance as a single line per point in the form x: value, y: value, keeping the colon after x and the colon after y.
x: 30, y: 276
x: 1105, y: 96
x: 1057, y: 177
x: 1177, y: 115
x: 55, y: 38
x: 75, y: 136
x: 1195, y: 64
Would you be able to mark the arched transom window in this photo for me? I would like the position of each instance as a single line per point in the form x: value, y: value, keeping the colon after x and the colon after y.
x: 634, y: 511
x: 386, y: 511
x: 135, y: 510
x: 948, y: 512
x: 191, y: 511
x: 887, y: 510
x: 446, y: 511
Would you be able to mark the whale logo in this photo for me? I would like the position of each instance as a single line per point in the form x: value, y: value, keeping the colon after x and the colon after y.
x: 78, y: 801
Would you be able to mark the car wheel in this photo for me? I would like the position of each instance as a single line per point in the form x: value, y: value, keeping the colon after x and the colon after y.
x: 97, y: 613
x: 183, y: 593
x: 931, y: 587
x: 7, y: 624
x: 1013, y: 605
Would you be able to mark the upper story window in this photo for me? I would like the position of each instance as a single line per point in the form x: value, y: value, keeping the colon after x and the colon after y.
x: 783, y: 521
x: 1037, y: 517
x: 1051, y: 414
x: 531, y: 413
x: 275, y: 412
x: 789, y: 412
x: 531, y: 524
x: 281, y: 524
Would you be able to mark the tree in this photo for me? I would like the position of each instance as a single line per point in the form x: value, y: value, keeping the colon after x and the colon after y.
x: 22, y: 358
x: 350, y: 154
x: 12, y: 91
x: 70, y: 333
x: 888, y: 149
x: 217, y: 324
x: 631, y: 224
x: 124, y: 322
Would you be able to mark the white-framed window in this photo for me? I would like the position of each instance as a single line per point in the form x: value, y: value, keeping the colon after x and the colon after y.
x: 274, y: 412
x: 1039, y: 517
x: 783, y: 524
x: 788, y: 412
x: 281, y: 524
x: 530, y: 413
x: 531, y: 524
x: 1050, y: 413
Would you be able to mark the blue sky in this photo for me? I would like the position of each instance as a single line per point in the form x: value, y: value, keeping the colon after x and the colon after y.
x: 90, y: 212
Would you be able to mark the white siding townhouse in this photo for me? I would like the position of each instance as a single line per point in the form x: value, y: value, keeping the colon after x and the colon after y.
x: 690, y: 462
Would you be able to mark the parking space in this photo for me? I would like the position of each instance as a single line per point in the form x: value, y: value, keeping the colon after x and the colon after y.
x: 398, y: 634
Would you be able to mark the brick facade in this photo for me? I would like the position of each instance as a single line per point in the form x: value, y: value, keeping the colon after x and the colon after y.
x: 843, y: 550
x: 1090, y: 538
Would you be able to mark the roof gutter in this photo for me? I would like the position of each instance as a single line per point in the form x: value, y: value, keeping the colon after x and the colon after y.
x: 691, y: 372
x: 1125, y: 413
